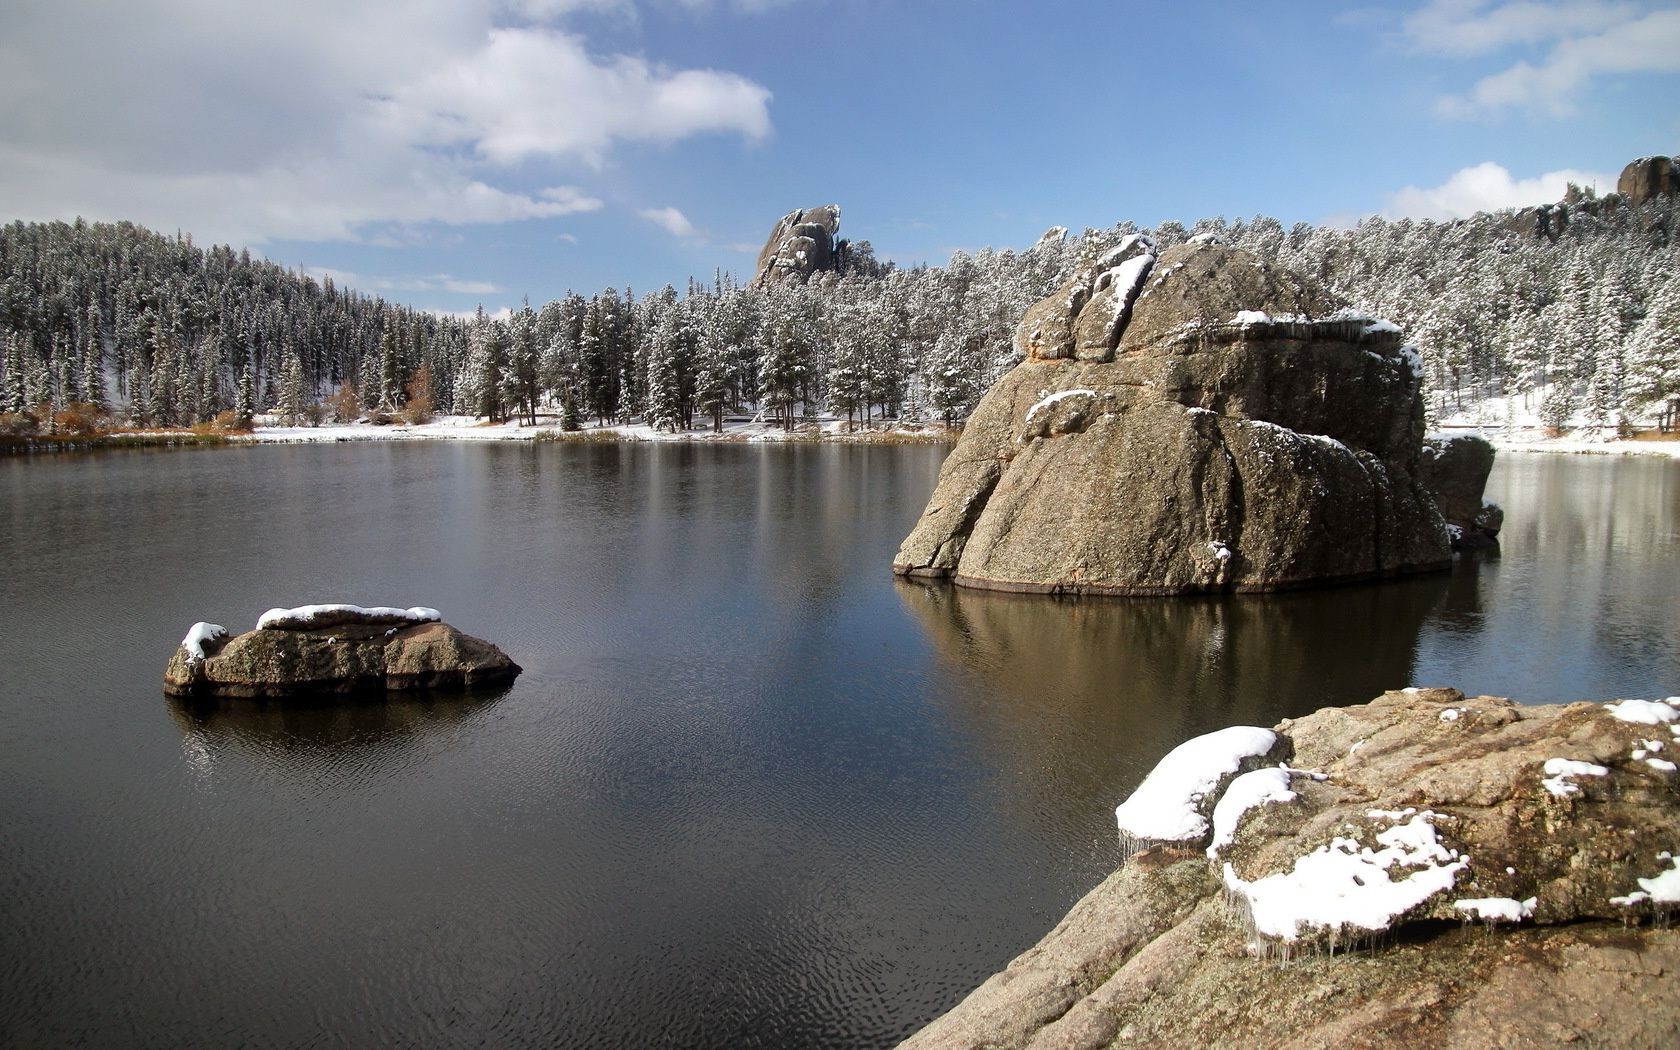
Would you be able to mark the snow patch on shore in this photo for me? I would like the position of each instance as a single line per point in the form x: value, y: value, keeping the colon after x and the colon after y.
x: 1346, y: 886
x: 1166, y: 806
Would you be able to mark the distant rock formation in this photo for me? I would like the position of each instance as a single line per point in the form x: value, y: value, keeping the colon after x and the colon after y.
x: 1648, y: 178
x: 333, y: 649
x: 803, y: 243
x: 1456, y: 469
x: 1201, y: 422
x: 1399, y: 825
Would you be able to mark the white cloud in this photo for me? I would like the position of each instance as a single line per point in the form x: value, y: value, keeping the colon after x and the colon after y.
x: 1567, y: 47
x: 1486, y: 187
x: 328, y: 119
x: 673, y: 220
x: 1474, y: 27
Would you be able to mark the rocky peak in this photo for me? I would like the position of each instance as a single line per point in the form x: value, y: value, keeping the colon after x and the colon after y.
x: 1649, y: 177
x: 804, y: 242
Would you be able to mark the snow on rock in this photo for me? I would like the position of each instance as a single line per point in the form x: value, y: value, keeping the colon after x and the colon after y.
x: 1249, y: 791
x: 1497, y: 909
x: 1645, y: 712
x: 1661, y: 888
x: 199, y: 637
x: 306, y: 616
x: 1169, y: 805
x: 1251, y: 317
x: 1127, y: 280
x: 1111, y: 258
x: 1451, y: 714
x: 1559, y: 772
x: 1050, y: 400
x: 1347, y: 886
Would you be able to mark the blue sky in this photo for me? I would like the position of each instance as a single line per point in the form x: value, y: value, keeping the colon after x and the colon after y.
x: 450, y: 152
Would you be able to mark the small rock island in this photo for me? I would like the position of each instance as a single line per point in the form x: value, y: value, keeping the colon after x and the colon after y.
x: 334, y: 649
x: 1201, y: 421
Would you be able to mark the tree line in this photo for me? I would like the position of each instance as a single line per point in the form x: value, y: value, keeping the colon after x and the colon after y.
x: 1580, y: 313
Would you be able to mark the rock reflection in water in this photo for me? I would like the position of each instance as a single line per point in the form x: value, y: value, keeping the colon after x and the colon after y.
x: 1088, y: 694
x: 373, y: 725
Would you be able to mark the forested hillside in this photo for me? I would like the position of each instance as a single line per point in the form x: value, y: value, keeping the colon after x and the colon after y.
x: 1584, y: 313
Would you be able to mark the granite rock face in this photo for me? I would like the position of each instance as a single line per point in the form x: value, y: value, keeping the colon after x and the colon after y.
x: 1648, y: 178
x: 1507, y: 871
x: 1456, y: 469
x: 1200, y: 421
x: 340, y: 653
x: 802, y: 243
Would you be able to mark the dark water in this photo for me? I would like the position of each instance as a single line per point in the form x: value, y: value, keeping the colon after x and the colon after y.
x: 750, y: 790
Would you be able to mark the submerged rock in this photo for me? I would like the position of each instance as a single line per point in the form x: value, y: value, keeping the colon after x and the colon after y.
x: 334, y: 649
x: 1202, y: 421
x: 1456, y: 469
x: 1511, y: 867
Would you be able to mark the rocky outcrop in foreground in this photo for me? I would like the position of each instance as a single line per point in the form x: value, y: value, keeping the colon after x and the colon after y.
x: 801, y: 244
x: 1456, y: 469
x: 1202, y: 421
x: 1504, y: 874
x: 333, y: 649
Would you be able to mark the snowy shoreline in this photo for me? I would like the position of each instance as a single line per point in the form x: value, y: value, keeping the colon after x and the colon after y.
x: 467, y: 428
x: 1536, y: 441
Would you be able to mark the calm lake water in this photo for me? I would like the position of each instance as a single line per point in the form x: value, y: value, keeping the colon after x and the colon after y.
x: 750, y: 790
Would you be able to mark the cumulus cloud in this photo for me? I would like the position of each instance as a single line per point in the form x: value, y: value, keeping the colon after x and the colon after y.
x: 1566, y: 45
x: 329, y: 119
x: 1485, y: 187
x: 673, y: 220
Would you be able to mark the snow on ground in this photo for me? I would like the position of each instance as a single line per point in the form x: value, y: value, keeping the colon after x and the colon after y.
x: 1164, y: 808
x: 470, y: 428
x: 305, y: 615
x: 1513, y: 424
x: 1344, y: 885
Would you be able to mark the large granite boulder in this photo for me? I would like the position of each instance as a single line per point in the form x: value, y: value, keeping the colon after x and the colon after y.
x: 1648, y: 178
x: 1202, y: 421
x: 1456, y: 469
x: 802, y: 243
x: 334, y: 649
x: 1509, y: 871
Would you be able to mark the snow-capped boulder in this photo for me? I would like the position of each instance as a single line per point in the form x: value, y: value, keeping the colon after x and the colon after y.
x: 334, y: 649
x: 801, y: 244
x: 1456, y: 470
x: 1243, y: 431
x: 1395, y: 824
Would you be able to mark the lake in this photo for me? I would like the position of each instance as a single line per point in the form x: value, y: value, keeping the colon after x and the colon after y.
x: 750, y: 790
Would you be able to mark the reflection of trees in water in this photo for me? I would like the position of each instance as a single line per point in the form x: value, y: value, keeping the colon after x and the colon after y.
x: 376, y: 727
x: 1087, y: 695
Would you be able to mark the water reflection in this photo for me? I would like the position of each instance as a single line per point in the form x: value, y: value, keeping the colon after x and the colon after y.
x: 370, y: 724
x: 1076, y: 688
